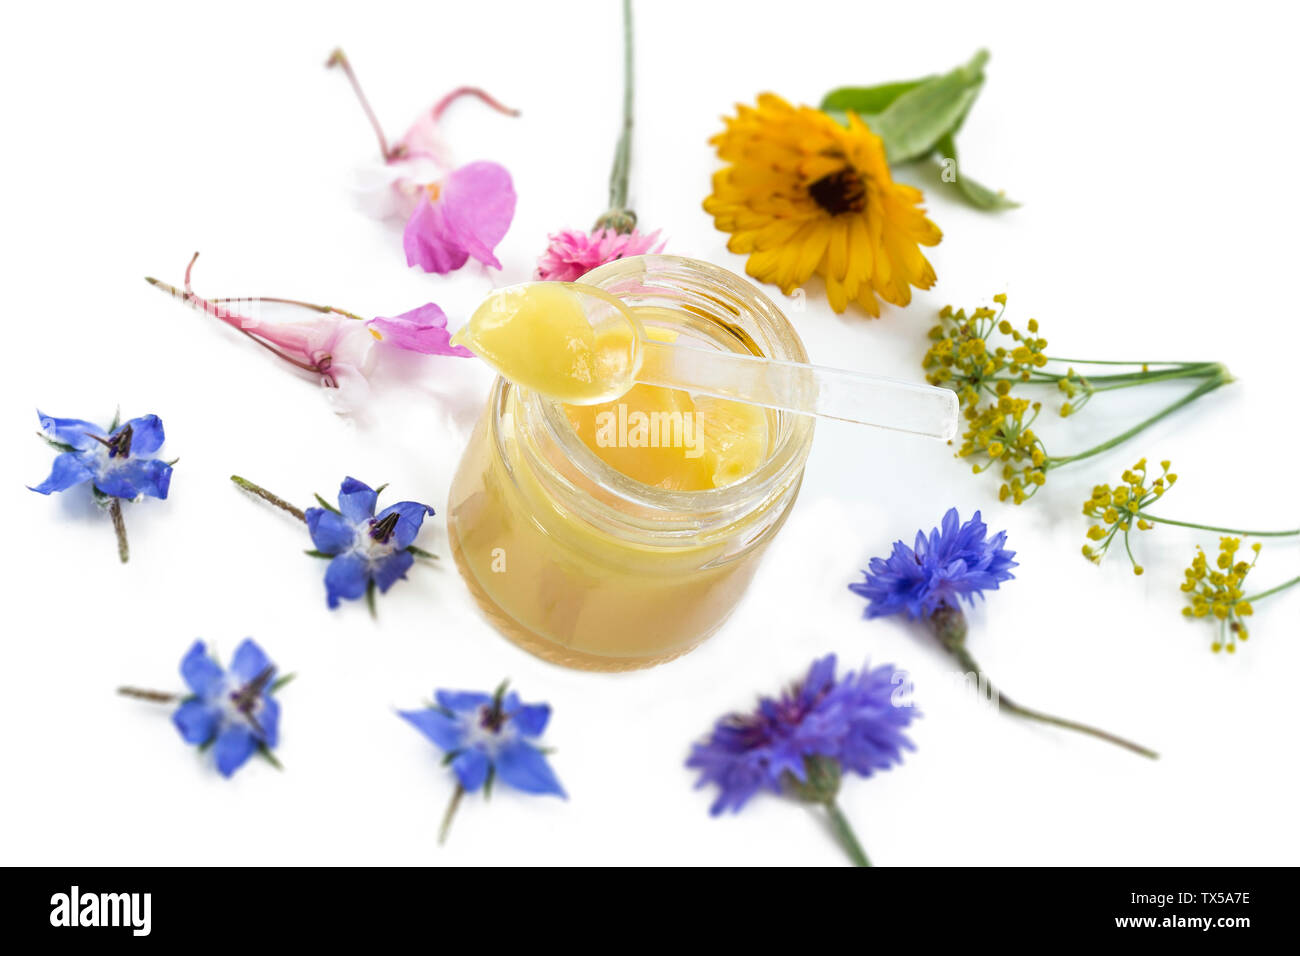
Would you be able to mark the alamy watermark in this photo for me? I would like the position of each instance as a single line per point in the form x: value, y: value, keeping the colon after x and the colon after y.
x: 621, y: 427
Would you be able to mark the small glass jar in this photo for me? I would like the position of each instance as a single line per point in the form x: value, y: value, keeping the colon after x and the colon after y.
x: 584, y: 566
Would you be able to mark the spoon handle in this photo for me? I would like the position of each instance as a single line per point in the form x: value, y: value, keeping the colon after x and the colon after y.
x: 806, y: 389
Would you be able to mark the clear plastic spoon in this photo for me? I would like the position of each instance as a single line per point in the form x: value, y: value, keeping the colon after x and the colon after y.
x: 580, y: 345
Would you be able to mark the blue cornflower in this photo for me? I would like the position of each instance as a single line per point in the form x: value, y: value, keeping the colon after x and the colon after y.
x: 955, y: 561
x: 114, y: 461
x: 368, y: 550
x: 485, y: 737
x: 802, y: 742
x: 928, y: 581
x: 232, y: 711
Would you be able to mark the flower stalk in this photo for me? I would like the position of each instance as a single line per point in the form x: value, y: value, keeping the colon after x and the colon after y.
x: 844, y: 834
x: 268, y: 497
x: 949, y: 626
x: 619, y: 217
x: 340, y: 60
x: 1220, y: 378
x: 153, y: 696
x: 119, y: 529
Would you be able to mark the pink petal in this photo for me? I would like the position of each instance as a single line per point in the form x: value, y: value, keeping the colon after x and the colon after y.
x: 470, y: 215
x: 478, y: 200
x: 426, y: 242
x: 421, y: 330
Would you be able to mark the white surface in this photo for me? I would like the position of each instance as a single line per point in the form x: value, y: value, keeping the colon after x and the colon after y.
x: 1152, y: 151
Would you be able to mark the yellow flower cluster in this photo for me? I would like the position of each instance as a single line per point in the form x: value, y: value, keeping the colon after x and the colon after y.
x: 1001, y: 434
x: 998, y: 424
x: 1217, y: 592
x: 1119, y: 509
x: 961, y: 357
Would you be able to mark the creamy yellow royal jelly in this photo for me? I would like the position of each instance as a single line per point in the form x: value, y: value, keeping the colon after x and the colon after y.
x: 611, y: 526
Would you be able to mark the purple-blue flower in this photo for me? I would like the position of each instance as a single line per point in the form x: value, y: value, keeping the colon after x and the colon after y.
x: 368, y: 550
x: 115, y: 461
x: 231, y: 711
x: 954, y: 561
x: 489, y: 736
x: 855, y: 722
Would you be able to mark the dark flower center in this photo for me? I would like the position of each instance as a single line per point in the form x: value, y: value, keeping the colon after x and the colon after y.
x: 840, y: 191
x: 493, y: 718
x: 245, y: 699
x: 382, y: 530
x: 119, y: 444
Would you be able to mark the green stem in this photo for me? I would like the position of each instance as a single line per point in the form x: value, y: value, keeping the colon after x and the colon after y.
x: 1073, y: 361
x: 968, y: 664
x: 451, y: 812
x: 119, y: 529
x: 1146, y: 378
x: 619, y: 216
x: 1210, y: 527
x: 153, y: 696
x: 844, y: 833
x: 1151, y: 375
x: 1202, y: 389
x: 1281, y: 587
x: 267, y: 496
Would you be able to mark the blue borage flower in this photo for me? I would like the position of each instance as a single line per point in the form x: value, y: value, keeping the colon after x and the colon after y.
x: 487, y: 737
x: 928, y: 581
x: 368, y: 550
x: 955, y: 561
x: 233, y: 711
x: 802, y: 742
x: 113, y: 460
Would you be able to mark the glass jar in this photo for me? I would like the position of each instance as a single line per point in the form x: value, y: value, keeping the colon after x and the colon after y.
x: 586, y: 567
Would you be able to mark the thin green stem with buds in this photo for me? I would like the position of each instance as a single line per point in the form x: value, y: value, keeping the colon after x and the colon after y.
x: 267, y: 496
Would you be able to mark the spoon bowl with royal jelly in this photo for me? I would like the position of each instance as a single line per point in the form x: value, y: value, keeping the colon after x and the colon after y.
x: 579, y: 345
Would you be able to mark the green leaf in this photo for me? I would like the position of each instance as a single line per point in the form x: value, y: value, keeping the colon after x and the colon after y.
x: 54, y: 444
x: 916, y: 120
x: 265, y: 751
x: 978, y: 195
x: 327, y: 506
x: 380, y: 490
x: 867, y: 100
x: 318, y: 554
x: 280, y: 682
x: 203, y: 747
x: 370, y: 598
x: 420, y: 552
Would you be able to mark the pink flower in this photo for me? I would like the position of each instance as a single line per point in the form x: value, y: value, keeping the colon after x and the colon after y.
x: 454, y: 214
x: 421, y: 330
x: 571, y: 254
x: 463, y: 216
x: 336, y: 346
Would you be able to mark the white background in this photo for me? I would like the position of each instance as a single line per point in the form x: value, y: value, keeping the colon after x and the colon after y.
x: 1153, y: 149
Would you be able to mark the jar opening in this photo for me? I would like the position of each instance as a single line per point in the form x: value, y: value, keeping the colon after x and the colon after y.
x: 723, y: 311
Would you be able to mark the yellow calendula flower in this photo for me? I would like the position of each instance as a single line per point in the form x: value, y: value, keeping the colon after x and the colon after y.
x: 803, y: 195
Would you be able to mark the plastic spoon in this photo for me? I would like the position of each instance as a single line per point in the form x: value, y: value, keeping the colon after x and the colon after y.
x: 580, y: 345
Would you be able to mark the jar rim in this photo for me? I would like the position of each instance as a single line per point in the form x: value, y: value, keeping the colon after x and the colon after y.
x: 712, y: 291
